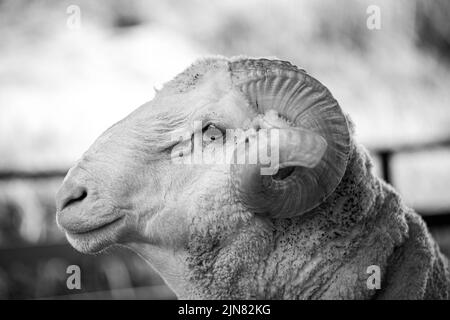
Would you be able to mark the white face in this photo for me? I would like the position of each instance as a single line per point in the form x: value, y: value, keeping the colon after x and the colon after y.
x: 126, y: 188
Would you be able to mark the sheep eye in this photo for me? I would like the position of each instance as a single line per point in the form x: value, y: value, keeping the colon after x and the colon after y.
x: 211, y: 133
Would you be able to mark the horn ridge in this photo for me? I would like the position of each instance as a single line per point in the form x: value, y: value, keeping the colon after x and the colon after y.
x: 304, y: 102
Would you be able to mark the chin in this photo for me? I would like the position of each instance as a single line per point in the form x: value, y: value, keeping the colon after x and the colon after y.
x: 87, y: 244
x: 97, y: 240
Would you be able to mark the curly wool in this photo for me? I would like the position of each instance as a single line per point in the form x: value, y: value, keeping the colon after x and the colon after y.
x: 323, y: 254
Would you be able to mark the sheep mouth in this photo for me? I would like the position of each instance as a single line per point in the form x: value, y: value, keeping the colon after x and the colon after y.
x: 95, y: 229
x: 97, y: 238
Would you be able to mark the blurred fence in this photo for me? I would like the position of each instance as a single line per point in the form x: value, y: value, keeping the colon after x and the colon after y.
x: 40, y: 272
x: 432, y: 217
x: 57, y: 257
x: 36, y: 268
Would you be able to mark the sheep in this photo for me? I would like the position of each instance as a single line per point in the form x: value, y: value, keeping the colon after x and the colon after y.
x: 309, y: 230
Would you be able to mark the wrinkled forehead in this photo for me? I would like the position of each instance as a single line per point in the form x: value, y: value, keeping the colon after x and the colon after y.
x: 203, y: 92
x: 199, y: 74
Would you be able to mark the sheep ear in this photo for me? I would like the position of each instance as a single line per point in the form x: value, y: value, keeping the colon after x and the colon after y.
x: 293, y: 147
x: 300, y: 148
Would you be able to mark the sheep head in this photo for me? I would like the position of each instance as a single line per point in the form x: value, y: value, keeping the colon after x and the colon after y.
x: 131, y: 188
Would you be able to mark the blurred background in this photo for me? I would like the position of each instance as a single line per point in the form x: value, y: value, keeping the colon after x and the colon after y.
x: 70, y: 69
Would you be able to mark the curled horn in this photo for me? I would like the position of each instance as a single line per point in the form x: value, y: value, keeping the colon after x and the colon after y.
x: 307, y: 106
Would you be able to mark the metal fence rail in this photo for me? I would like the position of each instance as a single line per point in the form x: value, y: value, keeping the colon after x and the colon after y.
x: 6, y: 175
x: 386, y: 154
x: 431, y: 217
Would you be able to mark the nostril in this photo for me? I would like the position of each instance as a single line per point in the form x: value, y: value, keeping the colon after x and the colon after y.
x: 76, y: 196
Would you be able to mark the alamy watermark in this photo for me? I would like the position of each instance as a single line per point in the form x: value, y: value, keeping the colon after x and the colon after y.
x: 236, y: 146
x: 373, y: 21
x: 374, y: 280
x: 74, y: 17
x: 74, y: 279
